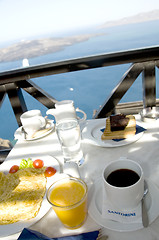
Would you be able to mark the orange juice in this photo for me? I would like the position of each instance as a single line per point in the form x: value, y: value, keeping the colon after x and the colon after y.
x: 69, y: 200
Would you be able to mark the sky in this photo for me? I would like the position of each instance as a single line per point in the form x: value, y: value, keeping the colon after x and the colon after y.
x: 20, y: 19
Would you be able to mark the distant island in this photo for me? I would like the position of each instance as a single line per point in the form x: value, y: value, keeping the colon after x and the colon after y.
x: 34, y: 48
x: 141, y: 17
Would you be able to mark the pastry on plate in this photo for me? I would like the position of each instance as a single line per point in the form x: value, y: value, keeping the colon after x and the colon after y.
x: 119, y: 126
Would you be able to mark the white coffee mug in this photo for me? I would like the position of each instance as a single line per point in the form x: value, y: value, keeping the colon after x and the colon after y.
x: 128, y: 193
x: 32, y: 121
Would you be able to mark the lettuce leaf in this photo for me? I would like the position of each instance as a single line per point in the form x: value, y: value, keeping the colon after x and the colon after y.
x: 26, y: 163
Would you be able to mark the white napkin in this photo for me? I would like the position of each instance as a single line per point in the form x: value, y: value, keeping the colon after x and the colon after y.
x: 111, y: 212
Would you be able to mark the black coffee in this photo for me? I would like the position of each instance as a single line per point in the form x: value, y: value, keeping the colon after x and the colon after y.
x: 122, y: 178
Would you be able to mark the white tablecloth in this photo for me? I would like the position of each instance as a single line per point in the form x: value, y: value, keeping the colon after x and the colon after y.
x: 145, y: 151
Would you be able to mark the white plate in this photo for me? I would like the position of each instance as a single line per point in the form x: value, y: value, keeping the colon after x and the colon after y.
x: 20, y: 135
x: 95, y: 208
x: 9, y: 229
x: 92, y: 133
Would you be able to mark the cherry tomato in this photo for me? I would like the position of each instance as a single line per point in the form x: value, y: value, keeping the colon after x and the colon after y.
x: 50, y: 171
x: 14, y: 169
x: 38, y: 163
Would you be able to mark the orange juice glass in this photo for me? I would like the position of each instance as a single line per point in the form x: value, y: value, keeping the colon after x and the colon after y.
x: 68, y: 197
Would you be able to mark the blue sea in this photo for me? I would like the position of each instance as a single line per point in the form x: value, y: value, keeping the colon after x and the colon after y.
x: 88, y: 88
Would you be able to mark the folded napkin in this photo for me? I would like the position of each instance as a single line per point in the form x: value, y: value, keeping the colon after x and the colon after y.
x: 111, y: 212
x: 28, y: 234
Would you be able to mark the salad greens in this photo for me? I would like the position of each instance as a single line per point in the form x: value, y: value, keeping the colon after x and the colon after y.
x: 26, y: 163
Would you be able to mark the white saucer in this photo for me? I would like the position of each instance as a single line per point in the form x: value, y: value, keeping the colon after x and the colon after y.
x: 92, y: 133
x: 95, y: 208
x: 19, y: 134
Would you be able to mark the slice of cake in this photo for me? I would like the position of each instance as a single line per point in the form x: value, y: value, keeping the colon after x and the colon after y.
x: 119, y: 126
x: 118, y: 122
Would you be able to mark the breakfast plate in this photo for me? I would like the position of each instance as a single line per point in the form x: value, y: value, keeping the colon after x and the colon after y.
x: 95, y: 208
x: 50, y: 161
x: 93, y: 131
x: 19, y: 133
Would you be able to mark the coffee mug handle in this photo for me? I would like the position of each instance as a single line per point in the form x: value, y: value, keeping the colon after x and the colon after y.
x: 42, y: 120
x: 84, y: 115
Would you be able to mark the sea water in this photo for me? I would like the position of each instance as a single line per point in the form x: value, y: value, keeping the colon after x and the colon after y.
x: 89, y: 88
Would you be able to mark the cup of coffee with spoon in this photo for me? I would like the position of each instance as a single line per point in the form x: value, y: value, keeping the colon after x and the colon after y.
x: 124, y: 183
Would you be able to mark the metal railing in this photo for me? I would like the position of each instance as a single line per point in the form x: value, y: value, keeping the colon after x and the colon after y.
x: 143, y: 61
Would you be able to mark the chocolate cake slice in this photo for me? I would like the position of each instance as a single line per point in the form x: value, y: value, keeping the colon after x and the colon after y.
x: 127, y: 132
x: 118, y: 122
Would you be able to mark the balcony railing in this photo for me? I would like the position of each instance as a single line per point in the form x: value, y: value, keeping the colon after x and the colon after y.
x: 143, y: 61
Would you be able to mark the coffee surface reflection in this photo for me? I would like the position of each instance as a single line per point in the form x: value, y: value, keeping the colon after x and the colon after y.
x: 122, y: 178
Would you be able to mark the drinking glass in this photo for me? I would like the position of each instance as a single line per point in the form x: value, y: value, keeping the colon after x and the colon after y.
x: 69, y: 135
x: 68, y: 197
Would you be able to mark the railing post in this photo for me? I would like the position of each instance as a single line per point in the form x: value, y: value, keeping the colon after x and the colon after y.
x: 118, y: 92
x: 2, y: 94
x: 16, y: 99
x: 39, y: 94
x: 149, y: 84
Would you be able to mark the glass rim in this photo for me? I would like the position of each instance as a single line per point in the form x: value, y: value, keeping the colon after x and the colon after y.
x: 69, y: 119
x: 72, y: 205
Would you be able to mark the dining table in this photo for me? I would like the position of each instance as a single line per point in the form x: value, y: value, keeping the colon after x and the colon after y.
x: 144, y: 150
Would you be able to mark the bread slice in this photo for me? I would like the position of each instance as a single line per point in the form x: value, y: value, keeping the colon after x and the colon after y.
x: 21, y: 194
x: 129, y: 130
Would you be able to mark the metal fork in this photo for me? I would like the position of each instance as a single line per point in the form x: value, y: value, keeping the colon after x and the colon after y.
x: 102, y: 234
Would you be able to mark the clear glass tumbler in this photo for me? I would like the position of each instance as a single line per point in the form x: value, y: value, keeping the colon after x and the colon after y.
x: 69, y: 135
